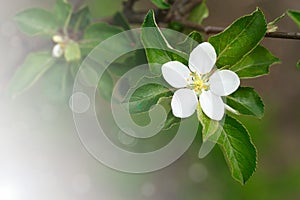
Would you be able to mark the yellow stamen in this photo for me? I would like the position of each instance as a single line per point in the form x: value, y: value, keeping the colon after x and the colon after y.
x: 198, y: 83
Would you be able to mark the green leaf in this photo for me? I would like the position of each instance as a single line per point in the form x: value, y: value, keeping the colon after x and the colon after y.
x: 126, y: 62
x: 120, y: 20
x: 104, y: 8
x: 105, y: 86
x: 80, y: 19
x: 209, y: 126
x: 246, y: 101
x: 63, y: 12
x: 162, y: 4
x: 298, y: 64
x: 96, y: 33
x: 36, y: 21
x: 255, y: 64
x: 199, y: 13
x: 235, y: 142
x: 238, y: 149
x: 146, y: 96
x: 35, y: 65
x: 72, y: 52
x: 57, y: 82
x: 177, y: 26
x: 171, y: 120
x: 100, y: 31
x: 295, y: 16
x: 161, y: 51
x: 192, y: 40
x: 272, y: 27
x: 142, y: 118
x: 239, y: 38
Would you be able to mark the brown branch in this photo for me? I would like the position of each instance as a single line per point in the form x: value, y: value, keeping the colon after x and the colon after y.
x: 130, y: 13
x: 214, y: 30
x: 190, y: 5
x: 284, y: 35
x: 138, y: 17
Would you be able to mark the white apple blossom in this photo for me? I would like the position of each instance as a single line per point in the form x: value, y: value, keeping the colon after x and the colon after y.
x: 200, y: 83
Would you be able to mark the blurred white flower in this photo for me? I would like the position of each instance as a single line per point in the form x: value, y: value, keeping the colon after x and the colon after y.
x: 200, y: 83
x: 57, y: 51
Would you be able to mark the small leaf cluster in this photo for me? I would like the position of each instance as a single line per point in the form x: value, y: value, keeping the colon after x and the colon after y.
x: 75, y: 32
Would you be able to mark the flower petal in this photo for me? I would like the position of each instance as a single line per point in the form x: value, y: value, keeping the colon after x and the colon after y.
x: 176, y: 74
x: 184, y: 103
x: 57, y: 51
x: 212, y: 105
x: 203, y: 58
x: 224, y: 82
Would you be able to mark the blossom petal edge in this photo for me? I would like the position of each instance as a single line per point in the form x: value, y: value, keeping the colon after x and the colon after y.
x: 176, y: 74
x: 184, y: 103
x: 203, y: 58
x: 212, y: 105
x: 224, y: 82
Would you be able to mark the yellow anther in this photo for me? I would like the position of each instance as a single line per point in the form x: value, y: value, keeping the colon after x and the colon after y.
x: 198, y: 83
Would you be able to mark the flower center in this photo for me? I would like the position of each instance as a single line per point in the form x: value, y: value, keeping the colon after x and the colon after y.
x: 199, y: 83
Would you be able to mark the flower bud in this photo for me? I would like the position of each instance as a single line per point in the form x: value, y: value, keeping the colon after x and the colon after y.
x: 57, y: 39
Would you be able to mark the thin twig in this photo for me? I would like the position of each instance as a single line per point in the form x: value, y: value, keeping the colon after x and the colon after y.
x: 173, y: 12
x: 138, y: 17
x: 190, y: 6
x: 129, y: 12
x: 284, y: 35
x: 214, y: 30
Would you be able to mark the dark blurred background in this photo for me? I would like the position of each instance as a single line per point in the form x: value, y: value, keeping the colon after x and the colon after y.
x: 41, y: 156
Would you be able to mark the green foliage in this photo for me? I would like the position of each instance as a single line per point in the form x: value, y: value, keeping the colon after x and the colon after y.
x: 57, y: 83
x: 35, y: 65
x: 199, y: 13
x: 62, y: 12
x: 171, y: 120
x: 36, y: 21
x: 126, y: 62
x: 80, y: 19
x: 298, y: 64
x: 104, y: 8
x: 252, y: 60
x: 235, y: 141
x: 246, y: 32
x: 192, y: 40
x: 120, y: 20
x: 272, y: 27
x: 246, y: 101
x: 154, y: 38
x: 237, y: 47
x: 72, y: 52
x: 238, y: 149
x: 209, y: 127
x: 295, y: 16
x: 105, y: 86
x: 255, y: 64
x: 176, y: 26
x: 96, y: 33
x: 146, y: 96
x: 162, y: 4
x: 75, y: 34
